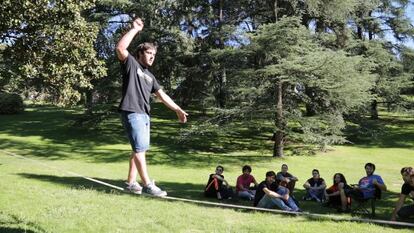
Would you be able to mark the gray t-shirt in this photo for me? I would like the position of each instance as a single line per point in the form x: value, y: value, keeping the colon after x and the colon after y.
x: 137, y: 86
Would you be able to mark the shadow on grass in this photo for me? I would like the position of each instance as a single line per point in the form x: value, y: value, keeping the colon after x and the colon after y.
x: 386, y: 132
x: 13, y: 224
x: 59, y: 139
x: 195, y: 192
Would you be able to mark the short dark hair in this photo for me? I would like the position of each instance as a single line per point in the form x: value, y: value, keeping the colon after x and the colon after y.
x: 370, y: 165
x: 247, y: 167
x: 270, y: 173
x: 144, y: 47
x: 219, y: 166
x: 406, y: 170
x: 315, y: 170
x: 285, y: 165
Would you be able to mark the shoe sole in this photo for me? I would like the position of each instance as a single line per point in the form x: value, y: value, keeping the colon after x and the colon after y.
x: 132, y: 192
x: 152, y: 195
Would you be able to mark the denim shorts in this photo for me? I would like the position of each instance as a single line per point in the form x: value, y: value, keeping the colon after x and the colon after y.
x: 137, y: 126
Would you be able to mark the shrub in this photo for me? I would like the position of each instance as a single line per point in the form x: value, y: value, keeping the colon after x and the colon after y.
x: 10, y: 103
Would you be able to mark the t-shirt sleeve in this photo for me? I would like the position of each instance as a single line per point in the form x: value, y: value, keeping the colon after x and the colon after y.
x: 128, y: 63
x: 261, y: 187
x: 155, y: 86
x: 379, y: 179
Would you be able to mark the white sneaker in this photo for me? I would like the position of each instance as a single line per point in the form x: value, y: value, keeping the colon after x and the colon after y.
x: 153, y: 190
x: 133, y: 187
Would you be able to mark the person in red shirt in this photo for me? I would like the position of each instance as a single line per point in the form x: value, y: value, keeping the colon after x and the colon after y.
x: 332, y: 194
x: 243, y: 184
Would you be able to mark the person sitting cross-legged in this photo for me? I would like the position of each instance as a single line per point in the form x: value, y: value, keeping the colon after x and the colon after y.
x: 286, y: 179
x: 243, y: 184
x: 270, y: 194
x: 315, y: 187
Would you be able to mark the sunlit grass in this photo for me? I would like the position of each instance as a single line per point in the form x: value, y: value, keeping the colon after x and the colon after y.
x: 39, y: 198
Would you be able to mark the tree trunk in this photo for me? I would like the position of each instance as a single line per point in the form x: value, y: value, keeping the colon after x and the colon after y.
x: 370, y: 28
x: 222, y: 92
x: 275, y: 10
x: 279, y: 122
x: 359, y: 33
x: 310, y: 108
x: 374, y: 110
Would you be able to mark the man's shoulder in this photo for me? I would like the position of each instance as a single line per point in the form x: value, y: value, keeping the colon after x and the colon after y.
x: 375, y: 176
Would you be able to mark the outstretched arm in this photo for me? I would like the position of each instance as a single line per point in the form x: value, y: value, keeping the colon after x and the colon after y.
x: 181, y: 114
x: 123, y: 43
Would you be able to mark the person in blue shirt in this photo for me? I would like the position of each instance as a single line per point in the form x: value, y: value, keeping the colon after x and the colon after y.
x: 366, y: 187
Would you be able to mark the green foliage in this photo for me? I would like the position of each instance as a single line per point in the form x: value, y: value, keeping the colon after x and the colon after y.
x: 333, y: 82
x: 10, y: 103
x: 51, y: 49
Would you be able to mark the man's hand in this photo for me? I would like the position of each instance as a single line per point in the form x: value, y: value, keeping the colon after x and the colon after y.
x: 182, y: 116
x: 285, y: 197
x: 138, y: 24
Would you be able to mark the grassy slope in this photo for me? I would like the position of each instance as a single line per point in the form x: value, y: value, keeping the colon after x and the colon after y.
x: 41, y: 199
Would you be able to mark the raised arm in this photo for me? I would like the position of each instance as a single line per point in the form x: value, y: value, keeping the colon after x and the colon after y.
x: 123, y: 43
x: 181, y: 114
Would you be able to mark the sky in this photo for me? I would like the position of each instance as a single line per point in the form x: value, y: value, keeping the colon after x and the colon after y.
x: 410, y: 14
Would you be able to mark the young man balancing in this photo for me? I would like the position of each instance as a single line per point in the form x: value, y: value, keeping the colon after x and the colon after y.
x: 137, y: 86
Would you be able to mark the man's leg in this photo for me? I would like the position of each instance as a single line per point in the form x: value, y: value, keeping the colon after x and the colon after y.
x: 316, y: 194
x: 265, y: 202
x: 406, y: 211
x: 344, y: 198
x: 245, y: 195
x: 288, y: 205
x: 292, y: 204
x: 138, y: 164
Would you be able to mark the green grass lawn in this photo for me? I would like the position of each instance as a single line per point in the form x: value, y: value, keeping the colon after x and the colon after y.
x: 35, y: 198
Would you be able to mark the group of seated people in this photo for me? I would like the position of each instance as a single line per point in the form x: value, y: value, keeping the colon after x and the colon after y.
x: 276, y: 191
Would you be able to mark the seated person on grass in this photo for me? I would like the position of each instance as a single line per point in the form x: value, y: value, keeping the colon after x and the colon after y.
x: 406, y: 211
x: 315, y: 187
x: 270, y: 194
x: 286, y: 179
x: 332, y: 194
x: 243, y: 184
x: 365, y: 189
x: 217, y: 186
